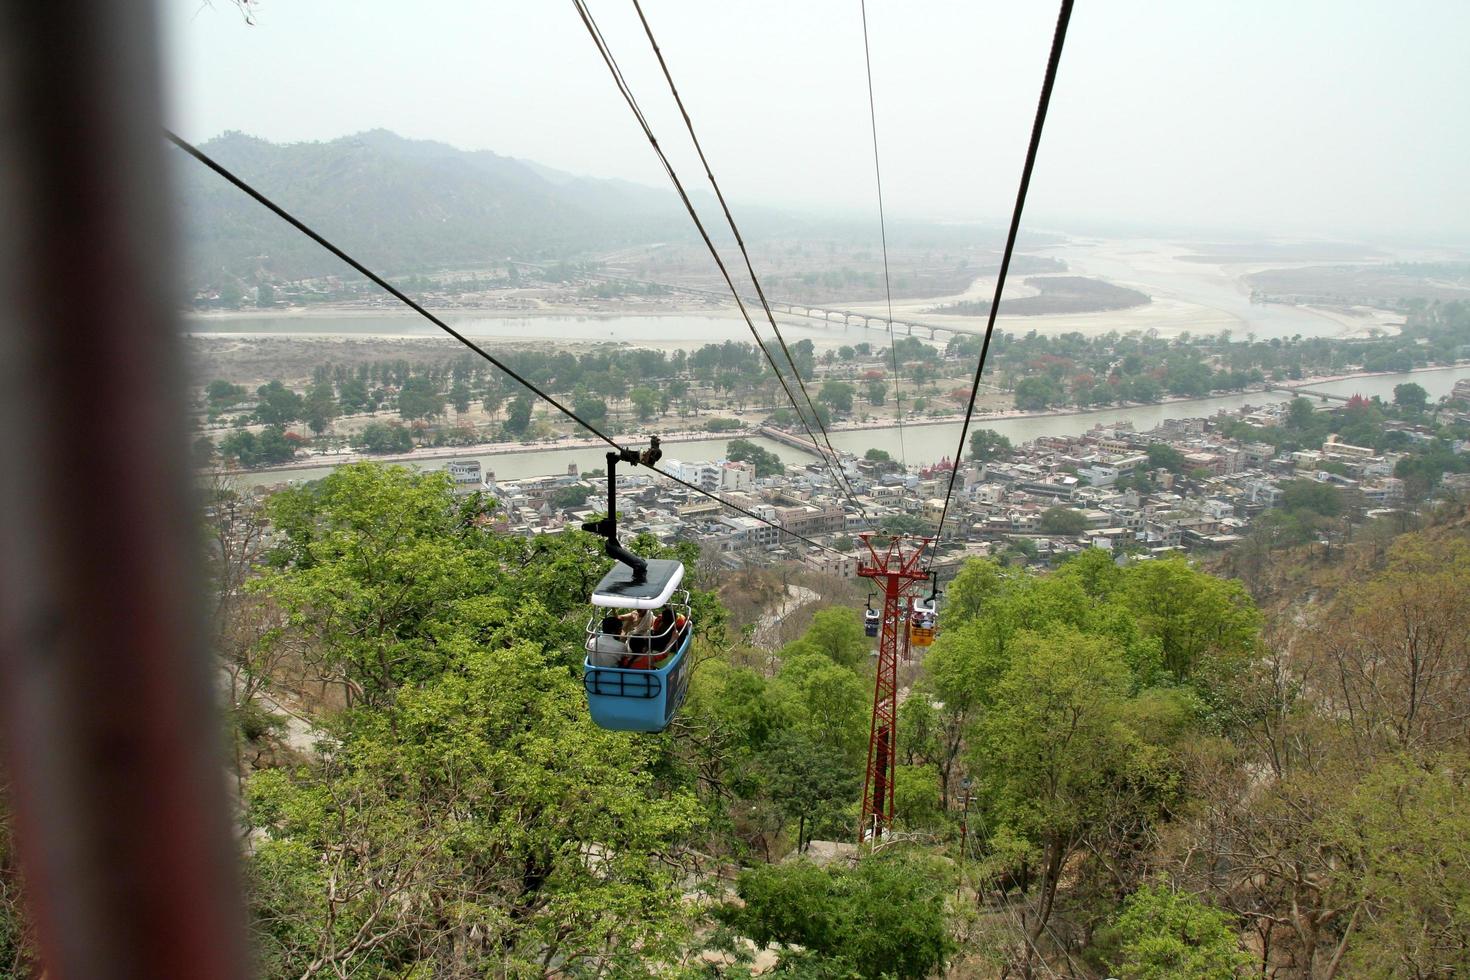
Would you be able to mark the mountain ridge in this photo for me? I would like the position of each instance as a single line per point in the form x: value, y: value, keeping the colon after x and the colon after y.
x: 402, y: 206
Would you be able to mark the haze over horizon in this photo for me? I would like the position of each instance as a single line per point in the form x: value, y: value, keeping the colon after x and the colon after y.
x: 1310, y: 119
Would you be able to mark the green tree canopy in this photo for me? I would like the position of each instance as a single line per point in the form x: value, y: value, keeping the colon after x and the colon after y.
x: 645, y: 402
x: 1405, y: 836
x: 572, y: 496
x: 1195, y: 616
x: 828, y: 702
x: 459, y: 397
x: 1308, y: 495
x: 977, y: 581
x: 987, y: 444
x: 884, y: 918
x: 223, y: 394
x: 811, y: 784
x: 837, y: 394
x: 266, y: 449
x: 910, y: 524
x: 320, y: 407
x: 420, y: 398
x: 835, y: 633
x: 278, y: 404
x: 1162, y: 934
x: 1165, y: 457
x: 590, y: 407
x: 352, y: 396
x: 1059, y: 762
x: 1410, y: 396
x: 518, y: 417
x: 766, y: 462
x: 1037, y: 393
x: 385, y: 437
x: 479, y: 794
x: 1062, y: 520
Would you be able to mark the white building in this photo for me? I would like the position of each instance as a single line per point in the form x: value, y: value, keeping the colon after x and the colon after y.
x: 466, y: 475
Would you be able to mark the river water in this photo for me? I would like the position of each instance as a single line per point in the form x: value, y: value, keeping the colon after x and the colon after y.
x: 924, y: 444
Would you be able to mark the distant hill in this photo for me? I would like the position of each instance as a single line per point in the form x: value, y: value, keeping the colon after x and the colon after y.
x: 416, y: 206
x: 401, y: 206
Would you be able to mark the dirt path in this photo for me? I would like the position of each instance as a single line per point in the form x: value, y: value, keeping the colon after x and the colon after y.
x: 300, y: 734
x: 767, y: 631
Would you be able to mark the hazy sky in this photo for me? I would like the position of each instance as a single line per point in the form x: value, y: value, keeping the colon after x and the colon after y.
x: 1277, y: 117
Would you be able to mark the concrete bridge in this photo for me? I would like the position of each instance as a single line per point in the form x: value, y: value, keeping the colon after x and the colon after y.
x: 866, y: 320
x: 794, y: 441
x: 826, y: 314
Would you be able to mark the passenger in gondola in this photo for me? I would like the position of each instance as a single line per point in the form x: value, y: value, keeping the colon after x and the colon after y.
x: 637, y: 627
x: 668, y: 629
x: 606, y: 647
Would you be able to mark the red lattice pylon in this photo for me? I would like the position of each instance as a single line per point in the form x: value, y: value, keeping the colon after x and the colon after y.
x: 896, y: 568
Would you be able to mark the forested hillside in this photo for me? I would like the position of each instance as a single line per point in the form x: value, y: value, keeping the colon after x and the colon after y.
x: 1104, y: 770
x: 401, y: 206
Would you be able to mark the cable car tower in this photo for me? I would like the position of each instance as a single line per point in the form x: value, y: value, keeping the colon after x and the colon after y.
x: 895, y: 569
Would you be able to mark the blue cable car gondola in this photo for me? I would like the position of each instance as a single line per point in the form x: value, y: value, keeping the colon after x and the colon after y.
x: 648, y: 683
x: 636, y: 676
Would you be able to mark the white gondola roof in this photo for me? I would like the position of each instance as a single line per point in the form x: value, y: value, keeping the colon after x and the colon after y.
x: 617, y: 590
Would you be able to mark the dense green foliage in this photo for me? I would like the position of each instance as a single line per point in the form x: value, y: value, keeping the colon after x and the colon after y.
x: 379, y: 437
x: 1062, y: 520
x: 468, y: 815
x: 1164, y: 934
x: 1101, y: 769
x: 987, y: 444
x: 1072, y: 699
x: 884, y: 918
x: 249, y: 449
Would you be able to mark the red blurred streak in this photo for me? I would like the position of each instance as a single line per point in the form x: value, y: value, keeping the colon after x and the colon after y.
x: 106, y: 700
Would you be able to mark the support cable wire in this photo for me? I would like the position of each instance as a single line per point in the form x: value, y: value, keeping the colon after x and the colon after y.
x: 1064, y: 15
x: 627, y: 93
x: 408, y: 301
x: 883, y: 231
x: 740, y: 241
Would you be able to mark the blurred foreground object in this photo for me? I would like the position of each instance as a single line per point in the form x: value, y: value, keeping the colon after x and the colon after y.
x: 106, y: 705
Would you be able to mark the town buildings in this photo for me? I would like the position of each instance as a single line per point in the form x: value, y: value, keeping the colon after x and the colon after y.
x: 1107, y: 488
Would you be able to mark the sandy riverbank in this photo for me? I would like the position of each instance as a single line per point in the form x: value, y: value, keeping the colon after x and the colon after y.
x: 1190, y: 292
